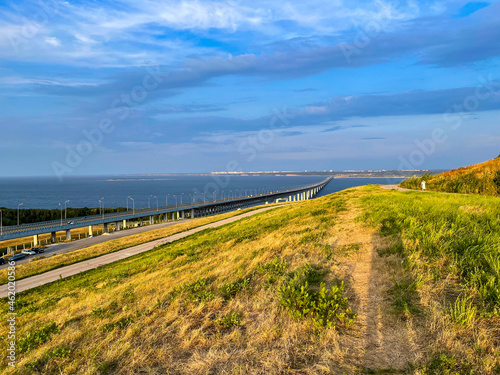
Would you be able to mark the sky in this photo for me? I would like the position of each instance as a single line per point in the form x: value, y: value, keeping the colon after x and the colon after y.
x: 133, y: 87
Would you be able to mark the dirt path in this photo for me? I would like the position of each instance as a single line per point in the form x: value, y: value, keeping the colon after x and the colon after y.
x: 395, y: 187
x: 379, y: 340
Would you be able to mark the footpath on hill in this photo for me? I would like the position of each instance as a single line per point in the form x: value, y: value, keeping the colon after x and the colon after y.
x: 60, y: 273
x: 378, y: 340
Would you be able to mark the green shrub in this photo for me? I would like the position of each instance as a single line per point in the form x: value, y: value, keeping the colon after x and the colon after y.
x: 33, y: 339
x: 230, y: 320
x: 275, y: 267
x: 324, y: 307
x: 229, y: 290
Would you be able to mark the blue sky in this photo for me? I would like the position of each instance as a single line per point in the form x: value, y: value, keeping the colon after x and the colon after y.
x: 118, y: 87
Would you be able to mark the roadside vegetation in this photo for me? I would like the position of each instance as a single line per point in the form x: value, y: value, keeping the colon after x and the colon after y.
x: 40, y: 264
x: 483, y: 178
x: 257, y: 295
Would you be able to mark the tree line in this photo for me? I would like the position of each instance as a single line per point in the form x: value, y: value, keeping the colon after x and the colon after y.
x: 36, y: 215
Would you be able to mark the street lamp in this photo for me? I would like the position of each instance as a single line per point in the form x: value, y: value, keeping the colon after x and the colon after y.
x: 149, y: 201
x: 181, y: 198
x: 156, y: 203
x: 133, y: 204
x: 60, y: 205
x: 65, y: 212
x: 19, y: 205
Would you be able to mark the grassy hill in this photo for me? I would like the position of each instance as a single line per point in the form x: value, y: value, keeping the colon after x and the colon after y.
x: 482, y: 178
x: 362, y: 281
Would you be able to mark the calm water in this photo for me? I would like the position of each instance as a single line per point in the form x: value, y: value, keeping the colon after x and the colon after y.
x: 47, y: 192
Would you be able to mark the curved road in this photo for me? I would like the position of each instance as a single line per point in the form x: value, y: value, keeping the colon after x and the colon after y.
x: 74, y: 269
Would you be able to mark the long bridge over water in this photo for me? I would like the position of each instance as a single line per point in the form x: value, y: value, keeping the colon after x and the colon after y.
x: 165, y: 214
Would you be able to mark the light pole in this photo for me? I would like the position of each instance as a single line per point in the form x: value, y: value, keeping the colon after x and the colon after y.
x: 60, y: 205
x: 182, y: 199
x: 156, y: 203
x: 166, y: 200
x: 65, y: 212
x: 149, y: 201
x: 133, y: 205
x: 19, y: 205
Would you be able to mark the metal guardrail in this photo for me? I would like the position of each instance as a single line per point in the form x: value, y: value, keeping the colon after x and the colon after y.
x: 25, y: 230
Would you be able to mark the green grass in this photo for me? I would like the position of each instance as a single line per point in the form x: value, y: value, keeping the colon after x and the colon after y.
x: 454, y: 235
x: 42, y: 265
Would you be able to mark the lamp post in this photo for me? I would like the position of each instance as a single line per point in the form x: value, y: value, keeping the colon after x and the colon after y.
x: 182, y: 199
x: 60, y: 205
x: 65, y: 212
x: 133, y: 205
x: 166, y: 200
x: 156, y: 202
x: 19, y: 205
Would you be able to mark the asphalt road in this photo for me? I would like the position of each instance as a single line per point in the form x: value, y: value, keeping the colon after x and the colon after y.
x: 65, y: 247
x: 73, y: 269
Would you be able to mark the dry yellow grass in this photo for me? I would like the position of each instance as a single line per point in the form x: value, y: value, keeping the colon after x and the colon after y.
x: 41, y: 264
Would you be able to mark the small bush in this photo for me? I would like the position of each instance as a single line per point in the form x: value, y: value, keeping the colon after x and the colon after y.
x: 228, y: 291
x: 325, y: 307
x: 33, y: 339
x: 275, y: 267
x: 230, y: 320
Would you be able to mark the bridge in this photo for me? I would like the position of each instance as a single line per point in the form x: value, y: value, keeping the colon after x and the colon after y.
x: 165, y: 214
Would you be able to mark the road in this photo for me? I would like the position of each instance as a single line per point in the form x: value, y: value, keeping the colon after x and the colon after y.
x: 74, y: 269
x: 61, y: 248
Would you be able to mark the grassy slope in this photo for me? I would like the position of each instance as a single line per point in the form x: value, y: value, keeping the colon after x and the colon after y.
x: 42, y: 264
x: 482, y: 178
x: 212, y: 303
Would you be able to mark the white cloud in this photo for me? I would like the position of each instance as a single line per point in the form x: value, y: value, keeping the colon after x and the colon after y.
x: 53, y: 41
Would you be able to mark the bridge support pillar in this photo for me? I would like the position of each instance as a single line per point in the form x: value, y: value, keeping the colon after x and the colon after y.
x: 183, y: 215
x: 68, y: 235
x: 192, y: 213
x: 91, y: 230
x: 124, y: 224
x: 106, y: 229
x: 151, y: 220
x: 118, y: 226
x: 53, y: 237
x: 35, y: 240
